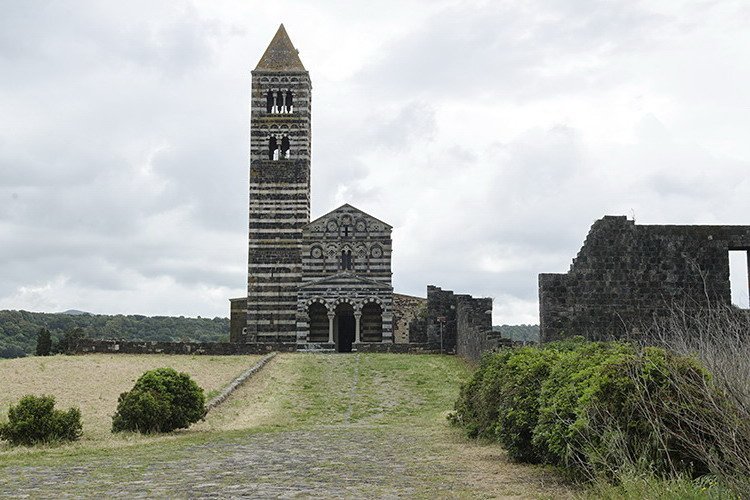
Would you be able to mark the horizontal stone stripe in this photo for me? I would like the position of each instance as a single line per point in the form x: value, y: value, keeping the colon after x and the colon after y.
x: 285, y: 274
x: 278, y: 191
x: 294, y: 217
x: 284, y: 267
x: 272, y: 310
x: 268, y: 241
x: 276, y: 226
x: 278, y: 210
x: 289, y: 322
x: 270, y: 294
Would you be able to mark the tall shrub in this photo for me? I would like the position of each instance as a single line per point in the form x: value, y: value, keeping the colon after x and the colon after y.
x: 43, y: 342
x: 161, y: 400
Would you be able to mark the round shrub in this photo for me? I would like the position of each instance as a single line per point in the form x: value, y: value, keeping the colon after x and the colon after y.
x: 34, y: 420
x: 161, y: 400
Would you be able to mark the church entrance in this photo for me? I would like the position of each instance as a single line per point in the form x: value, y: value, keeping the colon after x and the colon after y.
x: 345, y: 326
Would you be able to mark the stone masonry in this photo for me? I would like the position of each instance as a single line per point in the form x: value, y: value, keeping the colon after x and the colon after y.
x: 406, y: 308
x: 627, y: 275
x: 326, y: 284
x: 466, y: 324
x: 280, y: 144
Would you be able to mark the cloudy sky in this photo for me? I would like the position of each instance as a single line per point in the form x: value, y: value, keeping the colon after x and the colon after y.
x: 490, y: 134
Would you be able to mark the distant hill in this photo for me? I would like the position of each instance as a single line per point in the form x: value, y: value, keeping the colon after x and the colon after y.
x: 74, y: 312
x: 519, y: 332
x: 18, y: 329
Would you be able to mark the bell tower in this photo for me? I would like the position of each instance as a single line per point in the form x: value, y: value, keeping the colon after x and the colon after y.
x: 280, y: 144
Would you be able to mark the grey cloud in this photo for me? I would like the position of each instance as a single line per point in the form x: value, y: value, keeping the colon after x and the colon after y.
x: 513, y: 49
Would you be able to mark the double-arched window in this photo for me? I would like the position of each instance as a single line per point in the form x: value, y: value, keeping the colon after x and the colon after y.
x: 278, y: 149
x: 279, y: 102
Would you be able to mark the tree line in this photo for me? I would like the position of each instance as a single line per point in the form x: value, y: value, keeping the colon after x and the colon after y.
x: 528, y: 333
x: 19, y: 330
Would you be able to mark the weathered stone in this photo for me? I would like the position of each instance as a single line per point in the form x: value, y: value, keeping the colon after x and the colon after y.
x: 626, y: 276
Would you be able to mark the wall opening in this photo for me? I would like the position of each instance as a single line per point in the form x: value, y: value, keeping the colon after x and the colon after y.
x: 344, y: 326
x: 739, y: 278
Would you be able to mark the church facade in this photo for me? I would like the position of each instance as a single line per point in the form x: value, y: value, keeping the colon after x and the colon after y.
x: 326, y: 284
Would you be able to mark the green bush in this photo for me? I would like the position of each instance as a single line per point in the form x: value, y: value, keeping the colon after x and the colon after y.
x: 577, y: 378
x: 501, y: 402
x: 162, y: 400
x: 596, y: 408
x: 34, y: 420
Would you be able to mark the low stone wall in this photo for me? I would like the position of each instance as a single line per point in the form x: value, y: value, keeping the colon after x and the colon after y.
x: 398, y: 348
x: 111, y: 346
x: 236, y: 383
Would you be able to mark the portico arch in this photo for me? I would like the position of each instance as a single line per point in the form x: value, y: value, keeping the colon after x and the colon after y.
x: 344, y: 327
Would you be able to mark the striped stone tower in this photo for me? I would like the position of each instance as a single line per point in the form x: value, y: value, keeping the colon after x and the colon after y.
x: 280, y: 143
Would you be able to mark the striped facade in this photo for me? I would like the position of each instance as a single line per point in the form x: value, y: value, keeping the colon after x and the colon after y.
x: 325, y: 284
x: 346, y: 273
x: 279, y: 190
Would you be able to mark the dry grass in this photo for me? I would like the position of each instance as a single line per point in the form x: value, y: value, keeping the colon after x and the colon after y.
x: 94, y: 382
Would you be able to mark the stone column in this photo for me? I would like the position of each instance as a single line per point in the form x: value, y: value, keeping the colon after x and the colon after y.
x: 331, y: 315
x: 357, y: 317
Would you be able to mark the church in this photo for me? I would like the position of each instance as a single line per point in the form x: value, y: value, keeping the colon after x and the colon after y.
x: 323, y: 284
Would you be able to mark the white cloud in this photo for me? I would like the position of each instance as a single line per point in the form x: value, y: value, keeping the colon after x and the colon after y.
x: 489, y: 134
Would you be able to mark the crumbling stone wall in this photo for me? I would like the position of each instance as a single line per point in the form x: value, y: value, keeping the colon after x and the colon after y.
x: 474, y: 327
x: 467, y: 329
x: 626, y: 275
x: 406, y: 308
x: 237, y: 319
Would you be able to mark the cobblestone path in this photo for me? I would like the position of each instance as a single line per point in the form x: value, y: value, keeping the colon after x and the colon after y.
x: 364, y: 454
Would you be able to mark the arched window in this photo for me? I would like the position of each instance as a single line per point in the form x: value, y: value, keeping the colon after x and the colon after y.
x: 280, y: 102
x: 289, y: 102
x: 284, y: 147
x: 273, y: 148
x: 346, y: 260
x: 269, y: 101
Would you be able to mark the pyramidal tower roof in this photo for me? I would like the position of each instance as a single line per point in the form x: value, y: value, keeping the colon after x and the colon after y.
x: 280, y: 54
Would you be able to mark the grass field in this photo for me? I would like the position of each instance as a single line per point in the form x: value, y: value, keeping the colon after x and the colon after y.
x: 94, y: 382
x: 310, y: 425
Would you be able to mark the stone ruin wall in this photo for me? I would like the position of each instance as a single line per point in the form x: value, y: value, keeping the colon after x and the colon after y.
x: 406, y: 308
x: 467, y: 330
x: 474, y: 327
x: 626, y: 276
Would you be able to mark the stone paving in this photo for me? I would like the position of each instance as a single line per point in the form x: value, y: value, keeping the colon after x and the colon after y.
x: 324, y: 463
